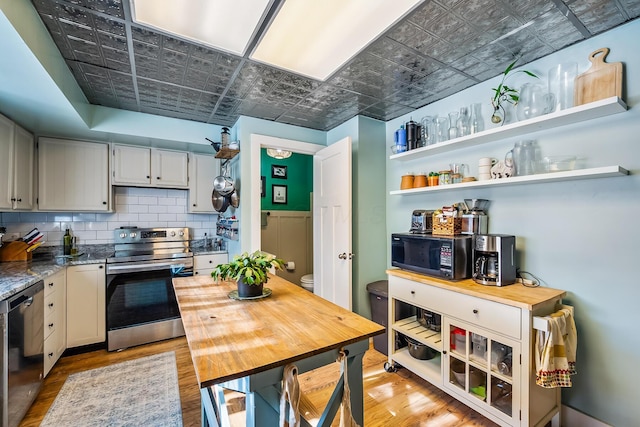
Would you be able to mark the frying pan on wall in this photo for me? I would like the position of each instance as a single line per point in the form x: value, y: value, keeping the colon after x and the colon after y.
x: 234, y: 199
x: 220, y: 202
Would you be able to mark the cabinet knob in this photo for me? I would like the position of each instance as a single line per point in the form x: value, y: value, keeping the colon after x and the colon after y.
x: 475, y: 311
x: 158, y: 178
x: 51, y: 285
x: 104, y: 203
x: 210, y: 262
x: 19, y: 200
x: 413, y: 292
x: 50, y: 305
x: 51, y: 325
x: 148, y: 177
x: 195, y: 205
x: 50, y: 354
x: 101, y: 266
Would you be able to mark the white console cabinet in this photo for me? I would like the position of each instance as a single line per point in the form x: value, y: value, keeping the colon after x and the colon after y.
x: 484, y: 349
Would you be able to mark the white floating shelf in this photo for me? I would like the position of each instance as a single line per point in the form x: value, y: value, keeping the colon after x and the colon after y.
x: 601, y: 172
x: 593, y: 110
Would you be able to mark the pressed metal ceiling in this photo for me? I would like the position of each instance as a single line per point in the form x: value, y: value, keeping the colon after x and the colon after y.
x: 440, y: 48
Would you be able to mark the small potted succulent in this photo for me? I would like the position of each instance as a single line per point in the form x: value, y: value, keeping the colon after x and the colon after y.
x: 504, y: 94
x: 249, y: 271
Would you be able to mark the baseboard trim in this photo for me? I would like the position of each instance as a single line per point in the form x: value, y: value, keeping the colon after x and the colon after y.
x: 573, y: 418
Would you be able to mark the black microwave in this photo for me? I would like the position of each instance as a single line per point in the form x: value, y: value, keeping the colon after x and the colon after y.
x: 439, y: 256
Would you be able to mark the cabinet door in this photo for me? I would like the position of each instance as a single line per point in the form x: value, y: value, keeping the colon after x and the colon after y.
x: 202, y: 171
x: 23, y: 169
x: 86, y: 296
x: 73, y: 175
x: 131, y: 165
x: 169, y: 169
x: 6, y: 162
x: 483, y: 368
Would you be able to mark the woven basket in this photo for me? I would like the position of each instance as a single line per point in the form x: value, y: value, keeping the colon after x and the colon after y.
x: 446, y: 225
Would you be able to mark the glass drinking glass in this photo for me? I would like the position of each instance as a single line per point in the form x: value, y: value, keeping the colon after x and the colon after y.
x: 476, y: 120
x: 453, y: 130
x: 463, y: 122
x: 442, y: 129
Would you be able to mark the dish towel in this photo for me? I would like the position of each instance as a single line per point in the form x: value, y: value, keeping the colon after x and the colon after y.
x: 346, y: 416
x: 291, y: 395
x: 556, y: 350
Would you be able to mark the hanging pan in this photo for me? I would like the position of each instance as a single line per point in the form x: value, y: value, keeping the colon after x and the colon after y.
x: 234, y: 199
x: 220, y: 202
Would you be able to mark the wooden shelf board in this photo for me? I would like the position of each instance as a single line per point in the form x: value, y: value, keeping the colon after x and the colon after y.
x: 415, y: 330
x: 599, y: 172
x: 430, y: 370
x: 593, y: 110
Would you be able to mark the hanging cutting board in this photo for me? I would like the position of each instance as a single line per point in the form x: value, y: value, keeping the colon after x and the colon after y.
x: 602, y: 80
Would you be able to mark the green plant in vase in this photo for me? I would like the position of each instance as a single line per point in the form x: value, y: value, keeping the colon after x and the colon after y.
x: 249, y: 271
x: 506, y: 94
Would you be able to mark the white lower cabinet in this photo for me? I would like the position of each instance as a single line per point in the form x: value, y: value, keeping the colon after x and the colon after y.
x: 204, y: 264
x: 482, y: 344
x: 86, y: 305
x: 54, y: 319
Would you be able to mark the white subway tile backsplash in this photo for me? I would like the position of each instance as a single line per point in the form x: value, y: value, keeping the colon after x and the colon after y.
x: 141, y: 207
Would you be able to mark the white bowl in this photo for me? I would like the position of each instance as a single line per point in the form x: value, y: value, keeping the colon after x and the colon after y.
x: 558, y: 163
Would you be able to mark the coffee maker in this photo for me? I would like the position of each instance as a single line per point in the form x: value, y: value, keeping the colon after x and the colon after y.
x: 494, y: 259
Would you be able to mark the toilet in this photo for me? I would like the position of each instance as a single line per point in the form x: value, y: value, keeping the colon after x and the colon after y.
x: 307, y: 282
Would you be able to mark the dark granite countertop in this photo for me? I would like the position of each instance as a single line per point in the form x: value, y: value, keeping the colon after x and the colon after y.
x: 18, y: 275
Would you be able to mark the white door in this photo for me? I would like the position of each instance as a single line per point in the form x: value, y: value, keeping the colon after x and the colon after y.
x: 332, y: 223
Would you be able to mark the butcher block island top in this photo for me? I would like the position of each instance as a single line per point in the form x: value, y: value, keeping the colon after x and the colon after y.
x: 516, y: 295
x: 231, y: 339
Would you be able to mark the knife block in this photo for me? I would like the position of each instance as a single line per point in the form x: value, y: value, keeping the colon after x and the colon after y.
x: 14, y: 251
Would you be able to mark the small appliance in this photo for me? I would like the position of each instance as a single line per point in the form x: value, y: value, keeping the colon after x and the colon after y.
x: 447, y: 257
x: 475, y: 219
x: 421, y: 221
x: 494, y: 259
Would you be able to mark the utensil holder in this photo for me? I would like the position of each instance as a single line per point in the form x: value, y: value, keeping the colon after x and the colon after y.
x: 14, y: 251
x: 446, y: 225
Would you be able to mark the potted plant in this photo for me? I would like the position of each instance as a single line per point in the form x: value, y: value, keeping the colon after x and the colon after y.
x: 249, y: 271
x: 505, y: 94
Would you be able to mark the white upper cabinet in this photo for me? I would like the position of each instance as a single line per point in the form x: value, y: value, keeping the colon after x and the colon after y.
x: 72, y: 175
x: 202, y: 171
x: 16, y: 159
x: 149, y: 167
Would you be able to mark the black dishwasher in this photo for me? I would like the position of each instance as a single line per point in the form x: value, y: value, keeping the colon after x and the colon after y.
x: 22, y: 351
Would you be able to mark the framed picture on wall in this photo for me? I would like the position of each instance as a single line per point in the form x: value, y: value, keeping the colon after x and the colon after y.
x: 279, y: 194
x: 278, y: 171
x: 263, y: 186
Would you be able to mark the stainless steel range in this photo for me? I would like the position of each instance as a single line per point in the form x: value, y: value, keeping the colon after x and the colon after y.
x: 141, y: 303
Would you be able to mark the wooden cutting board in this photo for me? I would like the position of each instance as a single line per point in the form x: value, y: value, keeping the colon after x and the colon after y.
x: 602, y: 80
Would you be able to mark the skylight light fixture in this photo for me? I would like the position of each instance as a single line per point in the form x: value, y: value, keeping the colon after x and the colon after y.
x: 315, y: 38
x: 277, y: 153
x: 222, y: 24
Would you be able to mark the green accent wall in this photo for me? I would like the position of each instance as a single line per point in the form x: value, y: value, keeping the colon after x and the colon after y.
x: 299, y: 181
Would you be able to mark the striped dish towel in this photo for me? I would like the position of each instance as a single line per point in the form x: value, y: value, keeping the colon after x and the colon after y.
x: 556, y: 351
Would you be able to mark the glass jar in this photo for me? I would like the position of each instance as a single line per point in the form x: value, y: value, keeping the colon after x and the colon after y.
x: 476, y: 122
x: 463, y: 122
x: 456, y: 178
x: 453, y: 120
x: 445, y: 177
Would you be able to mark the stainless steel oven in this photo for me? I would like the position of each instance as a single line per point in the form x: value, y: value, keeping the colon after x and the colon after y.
x: 141, y: 303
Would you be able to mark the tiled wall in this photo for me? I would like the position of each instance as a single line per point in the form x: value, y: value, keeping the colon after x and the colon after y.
x: 142, y: 207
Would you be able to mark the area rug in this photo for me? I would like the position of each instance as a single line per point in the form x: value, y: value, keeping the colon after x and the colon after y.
x: 140, y: 392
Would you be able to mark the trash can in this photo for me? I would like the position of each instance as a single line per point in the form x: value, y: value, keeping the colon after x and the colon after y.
x: 379, y: 298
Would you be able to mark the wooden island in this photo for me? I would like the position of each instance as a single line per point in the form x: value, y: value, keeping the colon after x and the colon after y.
x: 244, y: 345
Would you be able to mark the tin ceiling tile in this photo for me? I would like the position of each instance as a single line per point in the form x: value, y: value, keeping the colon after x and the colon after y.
x: 442, y: 47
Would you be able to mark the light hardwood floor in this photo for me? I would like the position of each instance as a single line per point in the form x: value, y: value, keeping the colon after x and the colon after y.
x: 391, y: 399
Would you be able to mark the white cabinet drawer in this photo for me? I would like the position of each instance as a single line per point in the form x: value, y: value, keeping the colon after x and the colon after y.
x: 50, y: 302
x: 209, y: 261
x: 491, y: 315
x: 50, y: 322
x: 51, y: 355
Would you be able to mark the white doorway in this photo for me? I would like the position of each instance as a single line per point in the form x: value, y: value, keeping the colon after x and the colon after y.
x: 262, y: 141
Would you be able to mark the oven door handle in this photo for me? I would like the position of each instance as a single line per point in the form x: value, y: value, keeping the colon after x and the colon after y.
x: 133, y: 268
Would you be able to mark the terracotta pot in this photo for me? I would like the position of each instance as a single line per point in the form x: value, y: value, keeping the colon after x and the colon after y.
x: 245, y: 290
x: 432, y: 180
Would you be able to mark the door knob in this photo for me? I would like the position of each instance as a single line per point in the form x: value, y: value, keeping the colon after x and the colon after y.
x: 343, y: 255
x: 351, y: 255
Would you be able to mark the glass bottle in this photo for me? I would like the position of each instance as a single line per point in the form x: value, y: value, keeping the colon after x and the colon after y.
x: 66, y: 243
x: 463, y: 122
x: 476, y: 121
x: 453, y: 119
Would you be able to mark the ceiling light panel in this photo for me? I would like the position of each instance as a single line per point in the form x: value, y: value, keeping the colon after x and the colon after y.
x: 315, y: 38
x: 221, y: 24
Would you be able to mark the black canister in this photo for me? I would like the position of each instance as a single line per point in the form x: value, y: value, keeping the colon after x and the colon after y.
x: 413, y: 134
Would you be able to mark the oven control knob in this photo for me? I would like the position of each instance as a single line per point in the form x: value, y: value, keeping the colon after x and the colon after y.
x: 173, y: 233
x: 123, y: 235
x: 181, y: 233
x: 132, y: 234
